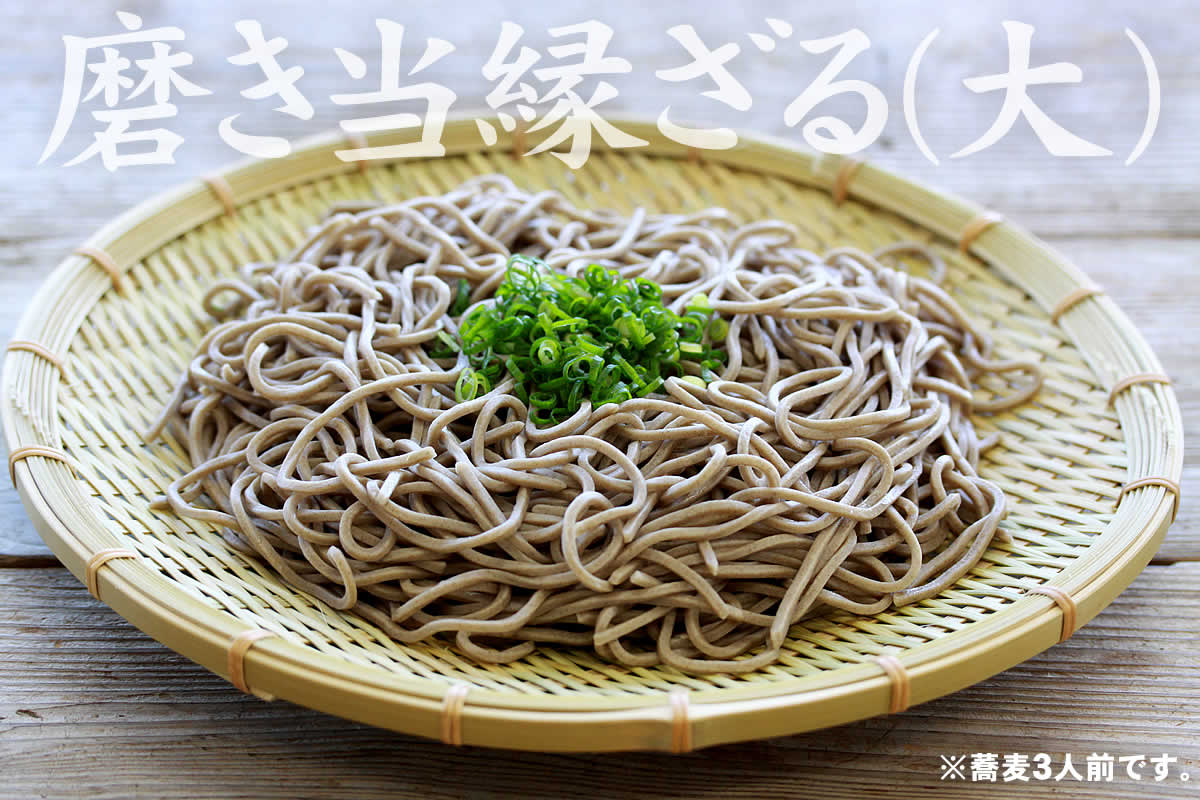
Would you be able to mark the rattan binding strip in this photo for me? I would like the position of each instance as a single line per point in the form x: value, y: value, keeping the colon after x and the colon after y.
x: 977, y: 225
x: 681, y: 723
x: 105, y: 262
x: 452, y: 710
x: 224, y: 192
x: 91, y: 572
x: 898, y: 678
x: 840, y: 189
x: 236, y: 661
x: 1166, y: 483
x: 1065, y: 603
x: 518, y: 150
x: 28, y: 450
x: 358, y: 142
x: 37, y: 349
x: 1134, y: 380
x: 1072, y: 299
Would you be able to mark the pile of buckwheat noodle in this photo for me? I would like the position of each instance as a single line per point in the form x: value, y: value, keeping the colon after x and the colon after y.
x: 832, y: 465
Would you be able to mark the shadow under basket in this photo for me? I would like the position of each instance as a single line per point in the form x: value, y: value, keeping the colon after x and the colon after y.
x: 1090, y: 467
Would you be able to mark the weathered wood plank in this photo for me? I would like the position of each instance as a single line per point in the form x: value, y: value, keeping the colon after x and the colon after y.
x: 115, y: 713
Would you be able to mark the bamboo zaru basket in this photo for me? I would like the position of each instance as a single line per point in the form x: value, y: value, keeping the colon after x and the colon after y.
x: 1090, y: 467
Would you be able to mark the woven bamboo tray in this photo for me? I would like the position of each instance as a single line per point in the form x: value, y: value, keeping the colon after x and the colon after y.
x: 1090, y: 468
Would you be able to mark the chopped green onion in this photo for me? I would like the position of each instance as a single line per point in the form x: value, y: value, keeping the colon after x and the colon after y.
x: 589, y: 345
x: 449, y: 348
x: 543, y: 399
x: 625, y: 366
x: 565, y: 340
x: 649, y: 387
x: 462, y: 298
x: 470, y: 385
x: 649, y: 290
x: 548, y: 350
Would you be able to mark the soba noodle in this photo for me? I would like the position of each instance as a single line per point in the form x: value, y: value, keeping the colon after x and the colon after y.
x: 831, y: 466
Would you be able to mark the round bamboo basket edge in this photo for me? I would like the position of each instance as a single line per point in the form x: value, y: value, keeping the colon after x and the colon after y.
x: 1028, y: 626
x: 202, y: 634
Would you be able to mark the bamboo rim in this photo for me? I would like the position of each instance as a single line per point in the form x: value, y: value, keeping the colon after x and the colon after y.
x: 60, y: 506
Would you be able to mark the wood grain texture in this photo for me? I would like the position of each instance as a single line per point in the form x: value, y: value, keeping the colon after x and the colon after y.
x: 91, y: 707
x: 115, y: 713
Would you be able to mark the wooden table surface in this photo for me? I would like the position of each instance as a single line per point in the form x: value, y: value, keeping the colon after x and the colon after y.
x: 91, y: 707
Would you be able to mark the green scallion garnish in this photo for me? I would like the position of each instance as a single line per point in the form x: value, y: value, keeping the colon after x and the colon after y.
x: 564, y: 340
x: 462, y: 298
